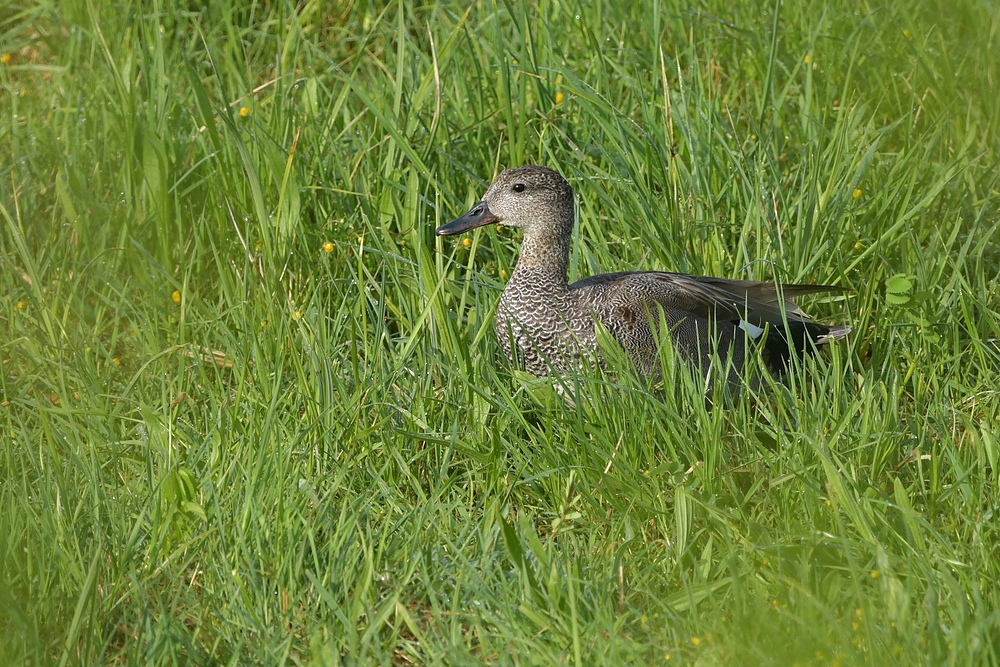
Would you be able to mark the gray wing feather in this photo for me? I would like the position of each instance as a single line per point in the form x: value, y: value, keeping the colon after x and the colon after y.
x: 704, y: 296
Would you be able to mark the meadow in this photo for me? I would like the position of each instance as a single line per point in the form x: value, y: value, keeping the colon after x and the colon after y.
x: 252, y: 411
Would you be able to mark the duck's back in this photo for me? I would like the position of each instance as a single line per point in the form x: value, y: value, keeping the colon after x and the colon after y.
x: 707, y: 317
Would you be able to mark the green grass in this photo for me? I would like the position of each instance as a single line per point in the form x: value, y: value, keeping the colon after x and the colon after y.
x: 319, y: 457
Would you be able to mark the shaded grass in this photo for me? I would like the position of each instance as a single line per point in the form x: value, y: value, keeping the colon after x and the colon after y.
x: 316, y: 455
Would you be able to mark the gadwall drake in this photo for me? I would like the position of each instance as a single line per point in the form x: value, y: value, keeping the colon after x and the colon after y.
x: 547, y: 324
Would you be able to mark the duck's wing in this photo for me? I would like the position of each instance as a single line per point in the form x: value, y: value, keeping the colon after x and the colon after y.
x: 715, y: 299
x: 739, y: 298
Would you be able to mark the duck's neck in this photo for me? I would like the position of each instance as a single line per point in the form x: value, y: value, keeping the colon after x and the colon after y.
x: 545, y: 248
x: 543, y: 257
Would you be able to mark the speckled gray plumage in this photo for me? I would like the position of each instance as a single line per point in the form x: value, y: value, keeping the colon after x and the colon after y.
x: 545, y: 324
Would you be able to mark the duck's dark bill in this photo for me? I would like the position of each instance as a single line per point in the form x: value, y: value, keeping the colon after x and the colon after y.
x: 477, y: 217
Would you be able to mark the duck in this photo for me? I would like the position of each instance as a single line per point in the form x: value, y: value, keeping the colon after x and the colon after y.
x: 548, y: 326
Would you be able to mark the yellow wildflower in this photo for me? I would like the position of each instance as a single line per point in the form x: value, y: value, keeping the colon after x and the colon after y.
x: 176, y: 296
x: 244, y: 112
x: 559, y: 98
x: 5, y: 59
x: 20, y: 305
x: 857, y: 193
x: 328, y: 247
x: 116, y: 362
x: 466, y: 242
x: 695, y: 641
x: 806, y: 60
x: 874, y: 574
x: 297, y: 315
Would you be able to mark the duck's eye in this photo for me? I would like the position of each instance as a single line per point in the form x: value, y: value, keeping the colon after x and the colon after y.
x: 518, y: 187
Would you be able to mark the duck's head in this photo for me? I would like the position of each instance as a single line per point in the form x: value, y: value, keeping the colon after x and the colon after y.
x: 535, y: 199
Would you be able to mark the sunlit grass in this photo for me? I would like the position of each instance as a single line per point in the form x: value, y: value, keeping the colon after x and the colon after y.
x: 253, y: 411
